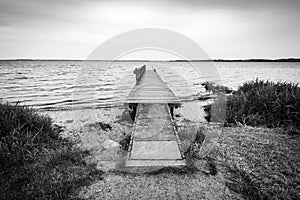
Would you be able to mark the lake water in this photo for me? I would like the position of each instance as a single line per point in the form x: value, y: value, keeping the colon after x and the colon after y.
x: 63, y: 85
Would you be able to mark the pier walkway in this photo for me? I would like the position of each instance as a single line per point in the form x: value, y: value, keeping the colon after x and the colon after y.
x: 154, y: 140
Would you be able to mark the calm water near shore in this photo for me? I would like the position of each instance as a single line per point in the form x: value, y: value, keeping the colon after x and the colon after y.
x: 64, y: 85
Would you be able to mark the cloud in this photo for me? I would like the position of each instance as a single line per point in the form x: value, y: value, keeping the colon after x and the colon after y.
x: 238, y: 4
x: 231, y: 28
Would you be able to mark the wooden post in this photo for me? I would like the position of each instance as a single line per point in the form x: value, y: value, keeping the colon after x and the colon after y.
x: 172, y: 107
x: 139, y: 72
x: 132, y: 110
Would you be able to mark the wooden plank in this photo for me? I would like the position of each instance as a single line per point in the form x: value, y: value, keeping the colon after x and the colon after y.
x: 155, y: 150
x: 153, y: 122
x: 155, y: 163
x: 154, y: 140
x: 151, y: 89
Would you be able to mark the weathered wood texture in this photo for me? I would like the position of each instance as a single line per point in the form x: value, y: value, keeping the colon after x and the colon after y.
x: 151, y: 89
x: 154, y: 139
x: 139, y: 72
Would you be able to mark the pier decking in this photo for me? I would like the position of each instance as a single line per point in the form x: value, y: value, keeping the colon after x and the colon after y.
x: 151, y: 89
x: 154, y: 140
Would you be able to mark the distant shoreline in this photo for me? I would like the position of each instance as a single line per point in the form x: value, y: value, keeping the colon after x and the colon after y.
x: 213, y: 60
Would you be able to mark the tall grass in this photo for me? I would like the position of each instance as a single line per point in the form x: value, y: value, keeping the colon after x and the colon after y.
x: 23, y: 133
x: 265, y: 103
x: 35, y: 163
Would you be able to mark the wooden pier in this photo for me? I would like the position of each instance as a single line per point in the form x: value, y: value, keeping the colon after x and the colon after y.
x: 154, y: 140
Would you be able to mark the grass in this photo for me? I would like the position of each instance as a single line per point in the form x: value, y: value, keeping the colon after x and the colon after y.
x: 242, y: 183
x: 35, y: 163
x: 260, y: 163
x: 125, y: 141
x: 216, y: 112
x: 265, y: 103
x: 23, y: 134
x: 194, y: 142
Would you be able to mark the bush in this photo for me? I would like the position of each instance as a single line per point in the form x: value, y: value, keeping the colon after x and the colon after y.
x: 264, y: 103
x: 35, y: 162
x: 195, y: 142
x: 23, y: 134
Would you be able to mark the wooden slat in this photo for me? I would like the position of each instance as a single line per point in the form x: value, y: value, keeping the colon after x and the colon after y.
x: 154, y: 142
x: 154, y: 163
x: 151, y: 89
x: 154, y: 139
x: 155, y: 150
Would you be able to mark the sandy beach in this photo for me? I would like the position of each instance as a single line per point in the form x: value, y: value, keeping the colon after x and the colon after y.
x: 259, y: 152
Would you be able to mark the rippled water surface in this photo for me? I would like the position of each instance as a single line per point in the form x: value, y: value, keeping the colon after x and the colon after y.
x: 60, y: 85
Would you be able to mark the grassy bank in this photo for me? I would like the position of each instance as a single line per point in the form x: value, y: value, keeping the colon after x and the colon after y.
x: 264, y: 103
x: 36, y: 163
x: 259, y: 163
x: 262, y: 163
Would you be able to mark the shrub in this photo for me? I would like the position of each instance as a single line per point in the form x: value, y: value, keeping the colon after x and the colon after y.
x: 195, y: 143
x: 23, y: 133
x: 265, y: 103
x: 35, y: 162
x: 125, y: 141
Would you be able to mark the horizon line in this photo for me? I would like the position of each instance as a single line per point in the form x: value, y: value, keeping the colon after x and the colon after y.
x: 293, y: 59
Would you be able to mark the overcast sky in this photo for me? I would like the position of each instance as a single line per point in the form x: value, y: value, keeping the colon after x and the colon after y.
x: 66, y: 29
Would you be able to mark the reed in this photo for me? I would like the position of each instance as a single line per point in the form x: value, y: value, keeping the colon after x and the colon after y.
x: 265, y: 103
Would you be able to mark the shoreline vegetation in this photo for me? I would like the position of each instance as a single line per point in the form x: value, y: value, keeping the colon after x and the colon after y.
x: 262, y: 124
x: 257, y: 153
x: 35, y: 162
x: 261, y: 103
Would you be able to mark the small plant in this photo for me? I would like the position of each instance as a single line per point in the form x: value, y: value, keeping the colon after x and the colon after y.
x: 104, y: 126
x: 211, y: 166
x: 195, y: 145
x: 216, y: 112
x: 125, y: 141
